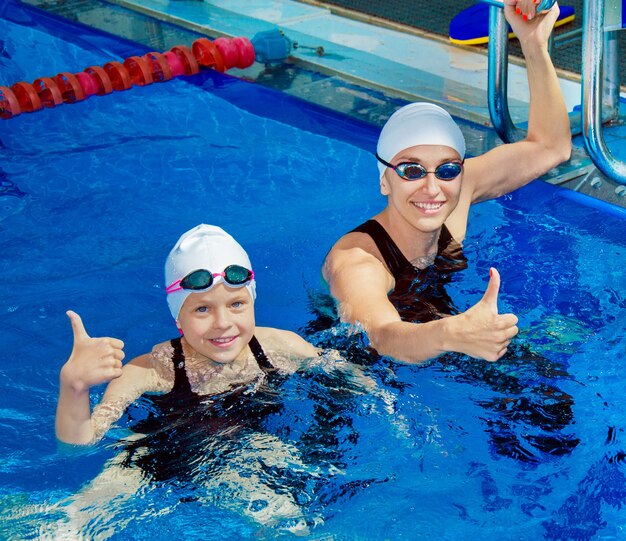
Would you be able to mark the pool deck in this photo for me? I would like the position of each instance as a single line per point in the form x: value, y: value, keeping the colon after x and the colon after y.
x: 368, y: 69
x: 412, y: 66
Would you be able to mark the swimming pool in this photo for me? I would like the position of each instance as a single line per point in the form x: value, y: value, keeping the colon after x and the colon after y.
x: 96, y: 194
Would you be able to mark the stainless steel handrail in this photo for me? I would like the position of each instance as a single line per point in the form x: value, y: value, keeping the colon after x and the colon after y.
x: 498, y: 63
x: 595, y: 40
x: 497, y: 83
x: 600, y: 81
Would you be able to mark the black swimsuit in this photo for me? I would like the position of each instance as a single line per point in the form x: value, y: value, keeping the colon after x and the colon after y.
x: 181, y: 394
x: 419, y: 294
x: 181, y: 425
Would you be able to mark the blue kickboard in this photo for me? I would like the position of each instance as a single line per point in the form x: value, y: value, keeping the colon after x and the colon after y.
x: 471, y: 26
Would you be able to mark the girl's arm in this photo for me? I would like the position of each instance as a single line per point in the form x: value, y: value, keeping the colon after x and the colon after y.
x: 94, y: 361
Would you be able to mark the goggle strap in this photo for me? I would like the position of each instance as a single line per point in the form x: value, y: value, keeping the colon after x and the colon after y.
x: 174, y: 286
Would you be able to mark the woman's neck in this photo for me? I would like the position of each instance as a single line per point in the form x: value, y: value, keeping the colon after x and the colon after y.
x: 419, y: 247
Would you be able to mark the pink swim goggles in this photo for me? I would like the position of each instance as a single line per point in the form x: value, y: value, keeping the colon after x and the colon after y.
x: 202, y: 279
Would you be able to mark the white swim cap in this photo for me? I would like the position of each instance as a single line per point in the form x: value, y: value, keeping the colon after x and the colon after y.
x: 418, y: 124
x: 203, y: 247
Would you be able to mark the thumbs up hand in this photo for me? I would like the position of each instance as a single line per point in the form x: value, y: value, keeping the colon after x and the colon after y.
x: 93, y: 360
x: 481, y: 331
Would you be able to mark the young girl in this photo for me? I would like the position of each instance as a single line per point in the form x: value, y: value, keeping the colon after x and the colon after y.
x: 212, y: 393
x: 210, y: 292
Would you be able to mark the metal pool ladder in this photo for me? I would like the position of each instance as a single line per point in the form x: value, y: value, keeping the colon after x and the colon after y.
x: 600, y: 78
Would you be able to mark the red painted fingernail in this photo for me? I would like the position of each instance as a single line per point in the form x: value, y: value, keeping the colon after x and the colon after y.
x: 518, y: 10
x: 525, y: 17
x: 490, y: 273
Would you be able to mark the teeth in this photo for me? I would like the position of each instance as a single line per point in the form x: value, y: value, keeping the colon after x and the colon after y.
x: 222, y: 340
x: 429, y: 206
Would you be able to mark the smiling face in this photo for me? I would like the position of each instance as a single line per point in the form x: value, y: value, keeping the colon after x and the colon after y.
x: 218, y: 323
x: 426, y: 203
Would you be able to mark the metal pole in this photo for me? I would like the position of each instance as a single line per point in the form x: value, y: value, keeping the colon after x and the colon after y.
x: 497, y: 84
x: 593, y: 49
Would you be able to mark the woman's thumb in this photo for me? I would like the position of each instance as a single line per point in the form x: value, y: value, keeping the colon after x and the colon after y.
x: 491, y: 293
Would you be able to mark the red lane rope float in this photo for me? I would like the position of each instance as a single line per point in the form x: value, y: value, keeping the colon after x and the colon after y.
x: 246, y: 52
x: 176, y: 65
x: 118, y: 74
x: 159, y: 67
x: 220, y: 55
x: 186, y: 57
x: 208, y: 55
x: 9, y: 106
x: 139, y: 71
x: 27, y: 97
x: 48, y: 92
x: 87, y: 83
x: 103, y: 83
x: 236, y: 52
x: 70, y: 88
x: 229, y: 52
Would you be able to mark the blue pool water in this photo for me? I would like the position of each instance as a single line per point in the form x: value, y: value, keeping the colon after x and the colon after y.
x: 95, y: 194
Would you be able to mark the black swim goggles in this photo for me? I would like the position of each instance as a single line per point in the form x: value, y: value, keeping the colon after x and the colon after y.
x: 415, y: 171
x: 202, y: 279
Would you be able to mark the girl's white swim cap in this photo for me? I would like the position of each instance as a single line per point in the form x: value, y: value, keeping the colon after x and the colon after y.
x: 203, y: 247
x: 415, y: 124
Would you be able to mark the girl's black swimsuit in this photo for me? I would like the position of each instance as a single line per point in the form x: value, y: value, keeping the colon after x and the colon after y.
x: 181, y: 427
x: 181, y: 395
